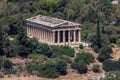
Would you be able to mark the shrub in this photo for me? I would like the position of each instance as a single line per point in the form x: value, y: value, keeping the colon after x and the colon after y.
x: 74, y: 65
x: 85, y: 56
x: 52, y: 68
x: 49, y: 69
x: 113, y: 75
x: 104, y: 53
x: 81, y: 46
x: 96, y: 68
x: 96, y: 49
x: 82, y: 67
x: 61, y: 67
x: 109, y: 65
x: 38, y: 56
x: 7, y: 64
x: 118, y: 42
x: 63, y: 50
x: 1, y: 62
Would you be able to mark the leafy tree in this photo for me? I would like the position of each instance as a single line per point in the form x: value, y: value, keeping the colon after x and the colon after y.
x: 85, y: 56
x: 104, y: 53
x: 92, y: 39
x: 22, y: 51
x: 49, y: 70
x: 80, y: 66
x: 2, y: 38
x: 118, y: 42
x: 7, y: 64
x: 1, y: 62
x: 113, y: 65
x: 98, y: 35
x: 114, y: 75
x: 96, y: 68
x: 61, y: 67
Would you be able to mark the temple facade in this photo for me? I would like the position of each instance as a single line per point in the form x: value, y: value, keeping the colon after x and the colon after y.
x: 53, y: 31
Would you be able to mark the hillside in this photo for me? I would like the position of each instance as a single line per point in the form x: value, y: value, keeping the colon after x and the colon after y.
x: 22, y: 57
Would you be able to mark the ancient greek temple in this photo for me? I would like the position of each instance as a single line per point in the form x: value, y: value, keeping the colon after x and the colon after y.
x: 53, y: 31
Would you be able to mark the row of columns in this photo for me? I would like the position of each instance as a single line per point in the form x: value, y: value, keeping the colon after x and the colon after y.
x: 41, y: 34
x: 75, y: 36
x: 50, y: 37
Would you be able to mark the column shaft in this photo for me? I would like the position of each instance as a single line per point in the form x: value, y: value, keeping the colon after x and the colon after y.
x: 58, y: 37
x: 79, y: 36
x: 74, y: 36
x: 64, y: 37
x: 69, y: 36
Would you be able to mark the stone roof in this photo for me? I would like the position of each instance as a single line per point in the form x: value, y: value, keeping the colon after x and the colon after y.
x: 50, y: 21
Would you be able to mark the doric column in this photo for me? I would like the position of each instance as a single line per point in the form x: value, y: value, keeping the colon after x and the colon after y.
x: 74, y: 36
x: 39, y: 31
x: 50, y: 37
x: 64, y: 37
x: 41, y: 34
x: 53, y: 37
x: 58, y: 37
x: 27, y: 31
x: 79, y: 36
x: 33, y: 31
x: 69, y: 36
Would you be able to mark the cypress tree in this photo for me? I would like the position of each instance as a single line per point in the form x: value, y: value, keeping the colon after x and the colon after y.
x: 1, y: 41
x: 98, y: 36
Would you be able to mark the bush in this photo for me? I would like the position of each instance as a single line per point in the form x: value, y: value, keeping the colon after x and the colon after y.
x: 7, y: 64
x: 118, y: 42
x: 63, y: 50
x: 52, y: 68
x: 96, y: 68
x: 109, y: 65
x: 96, y: 49
x: 80, y: 66
x: 104, y: 53
x: 81, y: 46
x: 113, y: 75
x: 49, y: 70
x: 74, y: 65
x: 38, y: 56
x: 1, y: 62
x: 85, y: 56
x: 61, y: 67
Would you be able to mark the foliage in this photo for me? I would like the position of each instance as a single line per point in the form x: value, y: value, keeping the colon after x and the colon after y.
x: 80, y: 66
x: 113, y: 33
x: 49, y: 70
x: 61, y: 67
x: 118, y: 42
x: 1, y: 62
x: 96, y: 68
x: 7, y: 64
x: 81, y: 46
x: 63, y: 50
x: 104, y: 53
x: 113, y: 65
x: 114, y: 75
x: 2, y: 38
x: 85, y: 56
x: 92, y: 39
x: 38, y: 57
x: 52, y: 68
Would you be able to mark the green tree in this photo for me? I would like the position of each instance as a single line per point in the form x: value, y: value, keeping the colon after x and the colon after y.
x: 2, y: 38
x: 104, y: 53
x: 98, y: 35
x: 61, y: 67
x: 7, y: 64
x: 85, y: 56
